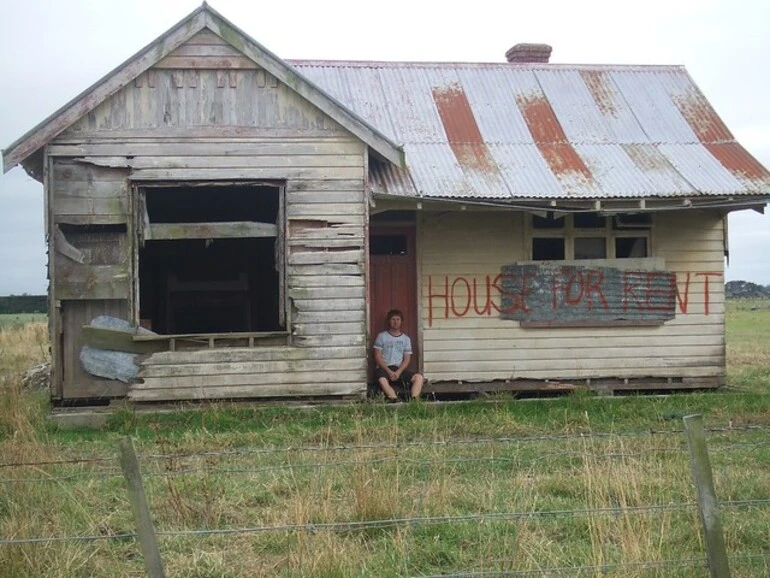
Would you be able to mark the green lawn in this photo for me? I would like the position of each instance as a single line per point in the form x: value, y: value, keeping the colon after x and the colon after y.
x: 8, y: 320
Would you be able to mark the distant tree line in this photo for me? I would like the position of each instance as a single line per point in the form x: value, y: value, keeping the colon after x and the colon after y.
x: 24, y: 304
x: 746, y: 290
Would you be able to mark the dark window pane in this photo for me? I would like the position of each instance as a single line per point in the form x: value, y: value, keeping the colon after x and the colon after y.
x: 387, y: 245
x: 632, y: 221
x: 590, y: 248
x: 547, y: 249
x: 549, y: 222
x: 628, y: 247
x: 589, y: 221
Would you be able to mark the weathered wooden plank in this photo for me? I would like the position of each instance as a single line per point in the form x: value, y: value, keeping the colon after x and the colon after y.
x: 300, y: 245
x: 299, y: 211
x: 313, y: 376
x: 248, y: 391
x: 326, y: 293
x: 70, y: 143
x: 204, y: 37
x: 94, y: 388
x: 195, y: 49
x: 325, y: 257
x: 255, y: 354
x: 94, y: 282
x: 250, y: 368
x: 217, y: 160
x: 682, y: 325
x: 330, y: 281
x: 329, y: 340
x: 69, y: 171
x: 522, y: 357
x: 116, y: 340
x: 435, y: 373
x: 566, y: 366
x: 329, y: 305
x: 322, y: 317
x: 211, y: 62
x: 512, y: 339
x: 95, y: 189
x: 329, y: 328
x: 91, y: 219
x: 325, y: 269
x: 322, y: 229
x: 63, y: 246
x: 90, y: 206
x: 323, y: 197
x: 235, y: 230
x: 234, y: 174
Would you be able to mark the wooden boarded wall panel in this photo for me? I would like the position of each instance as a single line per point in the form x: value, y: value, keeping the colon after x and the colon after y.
x: 91, y: 263
x: 196, y: 97
x: 466, y: 338
x: 76, y: 382
x: 88, y: 194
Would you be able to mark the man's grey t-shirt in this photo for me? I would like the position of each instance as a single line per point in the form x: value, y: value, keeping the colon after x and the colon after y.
x: 393, y: 348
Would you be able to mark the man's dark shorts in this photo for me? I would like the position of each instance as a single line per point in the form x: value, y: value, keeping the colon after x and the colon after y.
x: 404, y: 381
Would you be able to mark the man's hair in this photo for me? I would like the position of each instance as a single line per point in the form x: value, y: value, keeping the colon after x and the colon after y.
x: 393, y: 313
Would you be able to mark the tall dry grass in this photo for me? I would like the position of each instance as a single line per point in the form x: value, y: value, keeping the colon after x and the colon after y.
x: 21, y: 348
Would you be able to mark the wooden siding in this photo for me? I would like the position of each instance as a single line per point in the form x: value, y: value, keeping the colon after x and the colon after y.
x: 88, y: 194
x: 465, y: 339
x: 204, y: 113
x: 96, y: 267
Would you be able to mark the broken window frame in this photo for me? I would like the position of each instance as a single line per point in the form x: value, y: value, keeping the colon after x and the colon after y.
x: 141, y: 232
x: 613, y: 228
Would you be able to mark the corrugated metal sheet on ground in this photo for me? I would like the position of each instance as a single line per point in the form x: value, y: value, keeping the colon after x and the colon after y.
x: 504, y: 132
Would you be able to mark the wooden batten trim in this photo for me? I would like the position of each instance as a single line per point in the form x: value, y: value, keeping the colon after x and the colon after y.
x: 233, y: 230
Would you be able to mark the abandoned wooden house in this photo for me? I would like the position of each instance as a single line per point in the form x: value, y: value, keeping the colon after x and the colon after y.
x: 540, y: 225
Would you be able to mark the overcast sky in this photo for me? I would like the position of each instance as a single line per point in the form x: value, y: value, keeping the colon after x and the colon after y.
x: 51, y: 50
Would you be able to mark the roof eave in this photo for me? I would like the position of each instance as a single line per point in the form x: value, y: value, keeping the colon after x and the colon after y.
x: 724, y: 203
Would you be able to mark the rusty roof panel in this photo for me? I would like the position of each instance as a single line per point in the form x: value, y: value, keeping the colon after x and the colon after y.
x: 503, y: 131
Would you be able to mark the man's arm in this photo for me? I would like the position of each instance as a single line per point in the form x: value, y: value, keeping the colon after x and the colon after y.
x: 380, y: 362
x: 404, y: 365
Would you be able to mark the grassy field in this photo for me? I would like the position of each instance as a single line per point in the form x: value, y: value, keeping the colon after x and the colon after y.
x: 576, y: 486
x: 18, y: 320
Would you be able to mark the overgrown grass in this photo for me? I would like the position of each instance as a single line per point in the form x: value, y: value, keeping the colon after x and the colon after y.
x: 748, y: 344
x: 415, y: 490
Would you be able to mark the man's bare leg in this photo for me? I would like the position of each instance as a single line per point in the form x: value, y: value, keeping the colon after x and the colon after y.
x: 417, y: 381
x: 389, y: 392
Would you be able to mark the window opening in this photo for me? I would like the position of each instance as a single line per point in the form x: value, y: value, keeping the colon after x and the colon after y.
x: 219, y: 270
x: 388, y: 245
x: 580, y: 236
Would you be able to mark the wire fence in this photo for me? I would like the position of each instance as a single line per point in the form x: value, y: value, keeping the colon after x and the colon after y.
x: 424, y: 466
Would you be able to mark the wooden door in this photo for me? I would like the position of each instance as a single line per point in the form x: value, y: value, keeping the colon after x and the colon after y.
x: 393, y: 281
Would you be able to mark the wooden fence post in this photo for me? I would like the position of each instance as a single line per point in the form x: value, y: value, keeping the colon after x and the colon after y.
x: 144, y: 527
x: 707, y: 499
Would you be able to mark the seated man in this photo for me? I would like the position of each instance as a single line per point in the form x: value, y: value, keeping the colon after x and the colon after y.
x: 392, y: 353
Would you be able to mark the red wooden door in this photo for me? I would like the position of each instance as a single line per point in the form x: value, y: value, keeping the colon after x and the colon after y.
x: 393, y: 281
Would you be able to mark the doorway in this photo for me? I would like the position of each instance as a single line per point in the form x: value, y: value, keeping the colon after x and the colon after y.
x: 393, y: 281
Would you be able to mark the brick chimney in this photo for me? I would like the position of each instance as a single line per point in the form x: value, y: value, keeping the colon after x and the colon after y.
x: 528, y: 52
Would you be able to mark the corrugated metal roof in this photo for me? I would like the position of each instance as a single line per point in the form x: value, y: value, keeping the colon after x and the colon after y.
x: 515, y: 131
